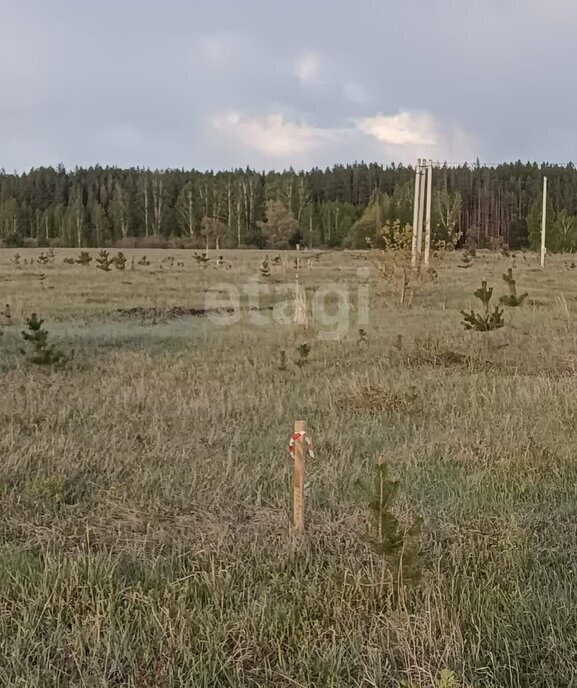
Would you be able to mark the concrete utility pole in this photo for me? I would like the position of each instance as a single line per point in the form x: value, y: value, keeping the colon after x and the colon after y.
x: 544, y: 222
x: 416, y: 214
x: 423, y: 191
x: 428, y: 212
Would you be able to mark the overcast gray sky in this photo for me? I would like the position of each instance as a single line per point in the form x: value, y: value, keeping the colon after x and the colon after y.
x: 227, y: 83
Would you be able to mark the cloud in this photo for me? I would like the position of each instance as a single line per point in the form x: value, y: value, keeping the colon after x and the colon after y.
x: 308, y: 67
x: 272, y: 135
x: 164, y: 72
x: 408, y: 135
x: 402, y: 137
x: 401, y: 130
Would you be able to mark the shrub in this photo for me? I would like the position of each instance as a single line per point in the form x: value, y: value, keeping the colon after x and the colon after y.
x: 154, y: 241
x: 13, y: 240
x: 127, y: 242
x: 183, y: 243
x: 396, y: 236
x: 495, y: 243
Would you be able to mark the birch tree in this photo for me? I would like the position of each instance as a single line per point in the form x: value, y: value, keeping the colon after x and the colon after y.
x: 120, y: 209
x: 186, y: 210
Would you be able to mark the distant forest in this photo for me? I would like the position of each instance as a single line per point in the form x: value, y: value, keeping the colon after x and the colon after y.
x: 346, y: 206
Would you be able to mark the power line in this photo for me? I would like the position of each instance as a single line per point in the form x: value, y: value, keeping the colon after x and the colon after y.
x: 492, y: 165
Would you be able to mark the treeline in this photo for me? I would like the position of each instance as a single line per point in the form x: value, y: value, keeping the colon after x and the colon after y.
x: 342, y: 206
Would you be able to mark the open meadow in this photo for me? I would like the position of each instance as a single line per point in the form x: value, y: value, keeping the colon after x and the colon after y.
x: 145, y: 485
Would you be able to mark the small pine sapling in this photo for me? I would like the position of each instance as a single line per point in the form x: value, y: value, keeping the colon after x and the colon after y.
x: 264, y: 268
x: 398, y: 546
x: 303, y: 351
x: 104, y: 261
x: 467, y: 259
x: 144, y: 261
x: 5, y: 318
x: 43, y: 259
x: 487, y: 320
x: 446, y: 679
x: 283, y: 361
x: 119, y: 261
x: 384, y: 534
x: 363, y: 339
x: 84, y: 258
x: 470, y: 245
x: 511, y: 299
x: 42, y: 353
x: 16, y: 259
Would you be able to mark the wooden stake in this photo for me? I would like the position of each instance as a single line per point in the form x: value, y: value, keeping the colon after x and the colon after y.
x: 299, y: 480
x: 404, y: 285
x: 301, y: 314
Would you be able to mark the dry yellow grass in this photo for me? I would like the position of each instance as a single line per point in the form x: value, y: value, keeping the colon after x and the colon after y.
x: 144, y: 505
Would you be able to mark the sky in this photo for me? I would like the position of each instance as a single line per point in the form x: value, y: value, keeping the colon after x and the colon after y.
x: 221, y: 84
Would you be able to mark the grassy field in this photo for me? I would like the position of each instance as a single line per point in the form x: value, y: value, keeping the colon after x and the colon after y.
x: 145, y: 486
